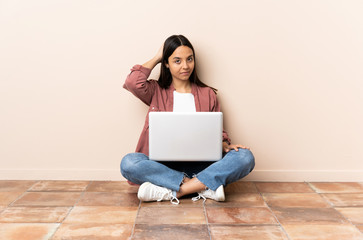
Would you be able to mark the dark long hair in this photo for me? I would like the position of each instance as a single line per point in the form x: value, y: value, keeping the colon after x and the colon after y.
x: 170, y: 44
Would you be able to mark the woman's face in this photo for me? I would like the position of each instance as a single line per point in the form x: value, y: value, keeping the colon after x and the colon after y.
x: 181, y: 63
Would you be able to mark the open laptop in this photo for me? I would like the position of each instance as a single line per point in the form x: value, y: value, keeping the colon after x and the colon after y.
x: 189, y: 136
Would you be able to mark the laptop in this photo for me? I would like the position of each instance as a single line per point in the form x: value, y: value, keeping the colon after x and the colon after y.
x: 189, y: 136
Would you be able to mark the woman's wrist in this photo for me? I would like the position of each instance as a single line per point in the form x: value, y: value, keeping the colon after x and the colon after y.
x: 151, y: 63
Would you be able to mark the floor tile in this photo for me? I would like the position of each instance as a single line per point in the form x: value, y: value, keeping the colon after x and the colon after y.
x: 93, y: 231
x: 59, y: 186
x: 239, y: 200
x: 109, y: 209
x: 184, y: 202
x: 175, y: 232
x: 355, y: 215
x: 102, y: 214
x: 227, y: 232
x: 344, y: 199
x: 34, y: 214
x: 308, y: 216
x: 112, y: 186
x: 283, y: 187
x: 109, y: 199
x: 240, y: 216
x: 15, y: 185
x: 171, y: 215
x: 27, y: 231
x: 8, y: 197
x: 322, y: 232
x: 48, y: 199
x: 342, y: 187
x: 287, y: 200
x: 241, y: 187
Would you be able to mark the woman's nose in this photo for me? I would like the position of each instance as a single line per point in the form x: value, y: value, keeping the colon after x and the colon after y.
x: 185, y: 65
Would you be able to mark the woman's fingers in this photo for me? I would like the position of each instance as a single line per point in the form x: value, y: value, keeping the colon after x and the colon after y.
x: 159, y: 54
x: 244, y: 147
x: 234, y: 147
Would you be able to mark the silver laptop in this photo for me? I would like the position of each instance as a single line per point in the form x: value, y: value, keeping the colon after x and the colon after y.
x: 175, y: 136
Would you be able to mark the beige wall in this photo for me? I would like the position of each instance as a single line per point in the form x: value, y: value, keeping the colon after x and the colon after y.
x: 289, y: 75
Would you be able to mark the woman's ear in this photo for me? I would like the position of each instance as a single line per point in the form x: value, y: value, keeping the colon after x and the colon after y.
x: 166, y: 65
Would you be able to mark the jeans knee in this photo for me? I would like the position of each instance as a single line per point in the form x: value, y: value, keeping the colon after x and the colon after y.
x: 252, y: 161
x: 123, y: 165
x: 247, y: 159
x: 127, y: 164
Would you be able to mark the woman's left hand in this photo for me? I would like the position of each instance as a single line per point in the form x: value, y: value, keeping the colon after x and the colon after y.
x: 227, y: 148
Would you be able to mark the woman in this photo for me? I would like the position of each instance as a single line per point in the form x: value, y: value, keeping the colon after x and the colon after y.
x: 179, y: 89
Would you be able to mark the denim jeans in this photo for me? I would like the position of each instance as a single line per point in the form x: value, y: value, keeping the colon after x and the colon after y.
x: 137, y: 168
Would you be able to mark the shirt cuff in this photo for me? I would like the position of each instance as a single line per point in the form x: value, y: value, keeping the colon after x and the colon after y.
x: 142, y: 69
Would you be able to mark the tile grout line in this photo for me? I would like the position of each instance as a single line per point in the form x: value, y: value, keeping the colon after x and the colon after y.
x: 245, y: 224
x: 334, y: 207
x: 321, y: 194
x: 70, y: 210
x: 134, y: 225
x: 206, y: 219
x: 312, y: 187
x: 26, y: 191
x: 22, y: 195
x: 262, y: 194
x: 347, y: 219
x: 268, y: 207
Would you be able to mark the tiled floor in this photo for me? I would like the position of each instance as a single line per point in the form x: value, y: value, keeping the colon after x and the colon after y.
x: 89, y: 210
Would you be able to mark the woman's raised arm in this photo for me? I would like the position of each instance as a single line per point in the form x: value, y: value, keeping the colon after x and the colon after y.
x: 137, y: 83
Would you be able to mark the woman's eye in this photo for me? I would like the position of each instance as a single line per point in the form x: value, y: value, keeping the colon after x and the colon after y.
x: 177, y: 61
x: 190, y: 59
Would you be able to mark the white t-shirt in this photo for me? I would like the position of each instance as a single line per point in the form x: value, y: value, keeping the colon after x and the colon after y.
x: 183, y: 102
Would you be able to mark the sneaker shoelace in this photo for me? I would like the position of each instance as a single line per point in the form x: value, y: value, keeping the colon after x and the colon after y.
x: 194, y: 199
x: 174, y: 199
x: 165, y: 195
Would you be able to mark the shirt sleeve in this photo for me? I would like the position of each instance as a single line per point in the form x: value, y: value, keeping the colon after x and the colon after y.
x: 216, y: 108
x: 137, y: 83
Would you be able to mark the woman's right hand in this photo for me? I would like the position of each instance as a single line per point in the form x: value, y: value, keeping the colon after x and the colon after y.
x: 159, y: 55
x: 155, y: 60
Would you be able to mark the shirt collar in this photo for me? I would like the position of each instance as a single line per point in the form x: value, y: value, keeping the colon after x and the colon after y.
x: 171, y: 88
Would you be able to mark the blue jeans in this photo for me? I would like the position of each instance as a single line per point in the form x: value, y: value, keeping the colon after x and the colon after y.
x: 137, y: 168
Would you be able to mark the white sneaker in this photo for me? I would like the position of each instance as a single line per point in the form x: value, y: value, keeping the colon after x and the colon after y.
x: 217, y: 195
x: 150, y: 192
